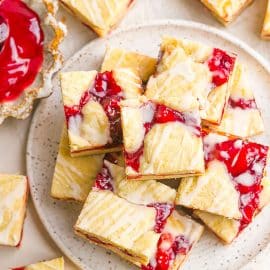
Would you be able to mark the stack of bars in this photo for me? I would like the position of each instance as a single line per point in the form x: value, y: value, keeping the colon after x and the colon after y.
x: 141, y: 120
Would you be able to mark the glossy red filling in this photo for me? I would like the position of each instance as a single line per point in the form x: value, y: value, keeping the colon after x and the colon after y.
x: 104, y: 180
x: 221, y: 64
x: 167, y: 249
x: 18, y: 268
x: 105, y: 91
x: 163, y: 211
x: 21, y: 48
x: 161, y: 114
x: 241, y: 103
x: 245, y: 162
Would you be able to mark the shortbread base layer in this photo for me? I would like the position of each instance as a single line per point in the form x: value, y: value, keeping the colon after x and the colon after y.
x: 125, y: 254
x: 179, y: 260
x: 88, y: 152
x: 212, y: 128
x: 265, y: 35
x: 222, y: 239
x: 164, y: 176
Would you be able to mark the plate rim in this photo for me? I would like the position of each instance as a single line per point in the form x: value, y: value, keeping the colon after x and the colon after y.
x: 151, y: 23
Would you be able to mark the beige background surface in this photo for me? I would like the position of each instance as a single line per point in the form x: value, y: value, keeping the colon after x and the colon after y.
x: 36, y: 244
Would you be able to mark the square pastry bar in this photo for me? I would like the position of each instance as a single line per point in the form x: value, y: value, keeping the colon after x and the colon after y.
x: 192, y: 75
x: 137, y: 221
x: 233, y: 184
x: 266, y: 24
x: 91, y: 103
x: 74, y: 177
x: 229, y: 229
x: 13, y: 197
x: 226, y: 11
x: 56, y: 264
x: 100, y: 15
x: 241, y: 118
x: 160, y: 142
x: 144, y: 65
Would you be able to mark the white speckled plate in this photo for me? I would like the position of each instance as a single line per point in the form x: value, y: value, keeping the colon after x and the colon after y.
x: 59, y: 217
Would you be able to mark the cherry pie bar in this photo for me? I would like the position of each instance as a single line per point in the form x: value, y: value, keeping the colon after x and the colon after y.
x: 160, y: 142
x: 13, y: 197
x: 242, y: 117
x: 91, y: 103
x: 29, y: 54
x: 191, y: 75
x: 73, y: 177
x: 266, y: 25
x: 120, y: 58
x: 100, y: 15
x: 228, y: 229
x: 233, y: 182
x: 56, y: 264
x: 226, y: 11
x: 137, y: 221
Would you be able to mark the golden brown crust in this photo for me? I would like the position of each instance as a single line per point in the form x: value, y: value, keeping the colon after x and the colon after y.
x: 265, y: 34
x: 144, y: 65
x: 102, y: 32
x: 88, y: 152
x: 226, y: 20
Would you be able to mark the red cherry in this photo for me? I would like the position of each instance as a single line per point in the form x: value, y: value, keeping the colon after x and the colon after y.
x: 133, y: 159
x: 147, y: 267
x: 165, y: 252
x: 241, y: 103
x: 105, y: 85
x: 181, y: 245
x: 71, y: 111
x: 221, y: 64
x: 104, y: 179
x: 164, y: 114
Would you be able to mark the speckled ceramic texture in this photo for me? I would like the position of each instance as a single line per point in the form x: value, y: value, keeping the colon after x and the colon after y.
x: 60, y: 216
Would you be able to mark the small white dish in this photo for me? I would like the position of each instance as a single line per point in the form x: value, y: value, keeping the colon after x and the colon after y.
x: 59, y: 216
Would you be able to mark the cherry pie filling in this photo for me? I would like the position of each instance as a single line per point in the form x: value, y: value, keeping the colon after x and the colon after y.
x: 161, y: 114
x: 243, y: 104
x: 104, y: 180
x: 245, y: 162
x: 105, y: 91
x: 163, y: 211
x: 21, y: 48
x: 168, y: 248
x: 221, y: 64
